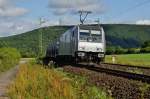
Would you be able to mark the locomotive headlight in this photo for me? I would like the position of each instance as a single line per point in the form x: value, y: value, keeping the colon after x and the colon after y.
x: 100, y: 55
x: 99, y: 49
x: 81, y: 48
x: 81, y: 54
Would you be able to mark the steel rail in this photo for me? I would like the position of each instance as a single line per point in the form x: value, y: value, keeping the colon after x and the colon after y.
x: 118, y: 73
x: 131, y: 66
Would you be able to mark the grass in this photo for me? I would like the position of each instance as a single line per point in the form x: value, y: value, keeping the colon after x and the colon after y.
x: 131, y: 59
x: 35, y: 82
x: 9, y: 57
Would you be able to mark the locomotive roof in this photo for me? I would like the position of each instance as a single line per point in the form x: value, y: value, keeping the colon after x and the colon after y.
x: 92, y: 27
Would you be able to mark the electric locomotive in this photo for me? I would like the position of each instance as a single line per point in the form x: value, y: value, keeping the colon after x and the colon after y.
x: 81, y: 43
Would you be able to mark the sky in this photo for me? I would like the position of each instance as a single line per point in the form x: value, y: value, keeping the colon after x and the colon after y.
x: 19, y: 16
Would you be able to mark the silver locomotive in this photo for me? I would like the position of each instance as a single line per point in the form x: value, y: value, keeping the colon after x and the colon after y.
x: 81, y: 43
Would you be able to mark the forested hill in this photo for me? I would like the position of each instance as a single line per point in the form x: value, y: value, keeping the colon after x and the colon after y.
x: 28, y: 43
x: 126, y: 36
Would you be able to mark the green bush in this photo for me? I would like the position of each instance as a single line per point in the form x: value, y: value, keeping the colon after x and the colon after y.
x: 145, y: 50
x: 8, y: 57
x: 146, y: 44
x: 133, y: 51
x: 110, y: 50
x: 120, y: 50
x: 115, y: 50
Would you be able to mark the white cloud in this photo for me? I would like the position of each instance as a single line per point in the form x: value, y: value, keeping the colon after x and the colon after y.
x: 8, y: 9
x: 10, y: 27
x: 12, y: 12
x: 50, y: 23
x: 13, y: 27
x: 9, y: 18
x: 3, y: 3
x: 143, y: 22
x: 60, y: 7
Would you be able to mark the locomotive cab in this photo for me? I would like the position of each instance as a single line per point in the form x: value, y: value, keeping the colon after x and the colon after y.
x: 91, y: 43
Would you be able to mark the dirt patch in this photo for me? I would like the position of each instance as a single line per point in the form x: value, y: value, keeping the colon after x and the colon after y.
x: 5, y: 79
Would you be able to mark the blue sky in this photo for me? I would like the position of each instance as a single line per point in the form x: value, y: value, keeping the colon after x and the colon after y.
x: 18, y: 16
x: 127, y: 10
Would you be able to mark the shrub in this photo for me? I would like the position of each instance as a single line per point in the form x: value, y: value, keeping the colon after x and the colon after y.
x: 145, y: 50
x: 8, y: 57
x: 120, y: 50
x: 133, y: 51
x: 146, y: 44
x: 110, y: 50
x: 115, y: 50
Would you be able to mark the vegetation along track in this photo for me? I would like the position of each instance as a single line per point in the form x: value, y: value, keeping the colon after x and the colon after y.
x: 115, y: 72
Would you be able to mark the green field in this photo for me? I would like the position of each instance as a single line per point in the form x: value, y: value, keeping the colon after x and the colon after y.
x: 131, y: 59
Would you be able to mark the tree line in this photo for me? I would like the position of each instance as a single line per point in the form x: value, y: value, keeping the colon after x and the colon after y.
x: 145, y: 48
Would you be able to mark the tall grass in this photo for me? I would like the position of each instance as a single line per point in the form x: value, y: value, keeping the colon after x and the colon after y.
x: 36, y: 82
x: 9, y: 57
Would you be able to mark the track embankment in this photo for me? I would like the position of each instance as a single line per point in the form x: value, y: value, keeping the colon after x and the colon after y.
x: 117, y: 86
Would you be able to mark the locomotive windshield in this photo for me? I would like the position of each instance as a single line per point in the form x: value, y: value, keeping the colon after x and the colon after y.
x: 90, y: 36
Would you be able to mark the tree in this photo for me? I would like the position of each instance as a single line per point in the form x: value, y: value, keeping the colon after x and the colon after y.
x: 110, y: 50
x: 146, y: 44
x: 133, y: 51
x: 145, y: 50
x: 120, y: 50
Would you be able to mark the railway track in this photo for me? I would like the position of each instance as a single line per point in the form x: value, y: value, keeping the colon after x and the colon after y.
x: 127, y: 66
x: 115, y: 72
